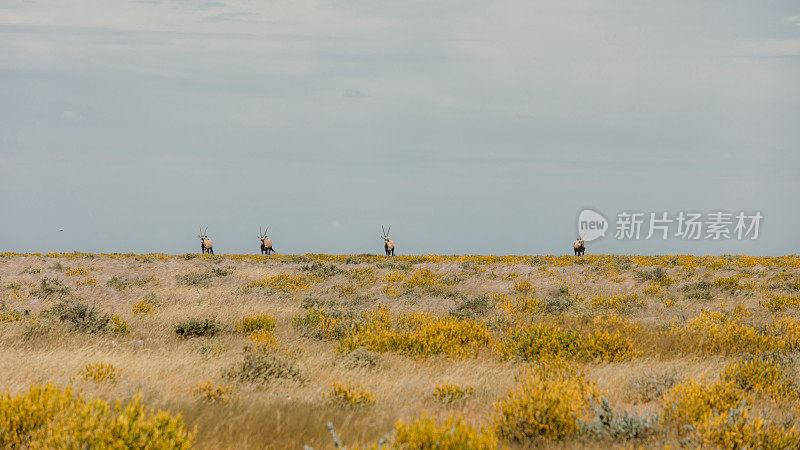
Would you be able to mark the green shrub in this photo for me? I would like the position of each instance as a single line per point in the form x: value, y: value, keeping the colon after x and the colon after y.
x: 614, y: 425
x: 121, y: 283
x: 48, y: 287
x: 199, y: 279
x: 473, y: 308
x: 80, y: 316
x: 322, y: 270
x: 196, y: 328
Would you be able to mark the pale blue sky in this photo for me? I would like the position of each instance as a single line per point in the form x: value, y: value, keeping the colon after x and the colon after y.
x: 470, y: 127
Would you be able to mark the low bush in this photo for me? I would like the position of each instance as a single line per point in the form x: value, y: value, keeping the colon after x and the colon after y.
x: 99, y: 372
x: 618, y: 425
x: 362, y: 358
x: 777, y: 302
x: 79, y: 316
x: 12, y: 315
x: 262, y: 321
x: 550, y: 402
x: 454, y: 433
x: 50, y: 287
x: 51, y: 417
x: 121, y: 283
x: 263, y: 367
x: 145, y: 307
x: 212, y: 393
x: 197, y: 279
x: 350, y: 395
x: 536, y: 341
x: 196, y: 328
x: 283, y: 282
x: 449, y: 393
x: 473, y: 308
x: 322, y: 270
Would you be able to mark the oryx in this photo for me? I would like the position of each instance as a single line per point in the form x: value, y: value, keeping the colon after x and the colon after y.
x: 266, y: 243
x: 206, y: 246
x: 579, y: 246
x: 388, y: 244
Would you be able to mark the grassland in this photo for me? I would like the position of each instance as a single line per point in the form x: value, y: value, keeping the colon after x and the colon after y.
x: 481, y: 351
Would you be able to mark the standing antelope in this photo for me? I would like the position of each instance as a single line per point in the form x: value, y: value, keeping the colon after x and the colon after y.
x: 388, y: 244
x: 579, y: 246
x: 266, y: 243
x: 206, y: 246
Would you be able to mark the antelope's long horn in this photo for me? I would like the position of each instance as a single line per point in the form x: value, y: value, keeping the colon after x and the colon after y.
x: 205, y: 233
x: 390, y: 230
x: 265, y: 231
x: 384, y: 231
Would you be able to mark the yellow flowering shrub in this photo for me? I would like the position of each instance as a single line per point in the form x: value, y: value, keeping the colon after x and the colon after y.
x: 99, y: 372
x: 51, y: 417
x: 778, y: 302
x: 417, y: 334
x: 549, y: 402
x: 263, y: 340
x: 448, y: 393
x: 523, y: 286
x: 263, y: 321
x: 689, y: 402
x: 144, y: 307
x: 10, y: 316
x: 393, y: 277
x: 452, y: 434
x: 532, y: 342
x: 350, y: 395
x: 728, y: 283
x: 786, y: 333
x: 211, y: 393
x: 517, y: 304
x: 391, y: 291
x: 762, y: 376
x: 86, y: 282
x: 421, y: 278
x: 720, y: 332
x: 652, y: 289
x: 118, y: 325
x: 737, y: 430
x: 362, y: 276
x: 283, y: 282
x: 618, y: 302
x: 76, y: 271
x: 719, y: 413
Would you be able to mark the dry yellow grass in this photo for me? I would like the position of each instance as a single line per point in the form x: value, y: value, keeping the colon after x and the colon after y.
x: 614, y: 318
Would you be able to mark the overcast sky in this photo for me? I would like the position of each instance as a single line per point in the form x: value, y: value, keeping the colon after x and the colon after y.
x: 470, y: 127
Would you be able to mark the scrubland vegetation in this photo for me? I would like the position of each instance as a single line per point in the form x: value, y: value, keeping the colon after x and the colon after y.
x: 286, y: 351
